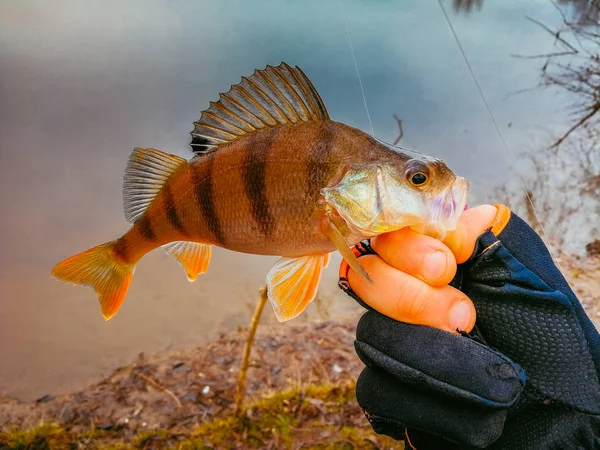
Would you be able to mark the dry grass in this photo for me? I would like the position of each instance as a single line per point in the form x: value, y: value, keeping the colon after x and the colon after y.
x: 313, y: 417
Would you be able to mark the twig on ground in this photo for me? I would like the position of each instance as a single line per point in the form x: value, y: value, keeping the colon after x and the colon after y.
x: 241, y: 384
x: 159, y: 386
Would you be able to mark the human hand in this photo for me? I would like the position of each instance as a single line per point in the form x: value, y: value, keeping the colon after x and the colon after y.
x: 412, y: 273
x: 526, y: 377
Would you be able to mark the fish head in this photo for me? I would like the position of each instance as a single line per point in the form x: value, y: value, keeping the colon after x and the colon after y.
x: 421, y: 193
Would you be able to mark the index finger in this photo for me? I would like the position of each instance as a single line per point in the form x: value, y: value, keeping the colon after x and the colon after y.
x: 418, y: 255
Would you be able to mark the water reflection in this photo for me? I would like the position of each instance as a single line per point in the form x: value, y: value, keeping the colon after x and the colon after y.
x: 466, y: 6
x: 83, y: 83
x: 584, y: 12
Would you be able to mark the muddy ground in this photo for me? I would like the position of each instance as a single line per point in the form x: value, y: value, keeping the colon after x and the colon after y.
x: 165, y: 398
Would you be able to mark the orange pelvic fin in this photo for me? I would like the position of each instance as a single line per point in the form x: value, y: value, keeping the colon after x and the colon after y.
x: 100, y: 268
x: 292, y: 284
x: 194, y: 257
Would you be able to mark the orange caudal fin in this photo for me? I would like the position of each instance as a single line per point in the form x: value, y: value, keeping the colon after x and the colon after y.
x: 292, y: 284
x: 100, y: 268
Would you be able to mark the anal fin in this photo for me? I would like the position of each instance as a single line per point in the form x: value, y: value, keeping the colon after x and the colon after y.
x: 194, y: 257
x: 292, y: 284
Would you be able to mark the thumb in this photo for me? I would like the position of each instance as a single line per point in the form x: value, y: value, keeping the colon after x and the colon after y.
x: 472, y: 224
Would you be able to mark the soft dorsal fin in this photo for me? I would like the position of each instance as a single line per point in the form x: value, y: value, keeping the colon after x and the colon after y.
x: 268, y: 98
x: 146, y: 173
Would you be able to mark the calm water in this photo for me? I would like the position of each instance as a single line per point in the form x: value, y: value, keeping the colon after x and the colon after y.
x: 82, y: 83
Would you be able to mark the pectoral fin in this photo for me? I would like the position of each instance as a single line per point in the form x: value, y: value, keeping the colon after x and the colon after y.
x: 292, y: 284
x: 331, y: 230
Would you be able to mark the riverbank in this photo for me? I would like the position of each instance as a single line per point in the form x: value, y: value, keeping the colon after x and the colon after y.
x: 583, y: 275
x: 300, y: 393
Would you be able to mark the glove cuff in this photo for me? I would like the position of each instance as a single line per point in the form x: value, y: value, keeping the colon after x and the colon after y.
x: 361, y: 249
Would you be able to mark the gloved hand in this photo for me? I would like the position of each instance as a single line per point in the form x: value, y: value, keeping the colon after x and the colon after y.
x: 525, y: 377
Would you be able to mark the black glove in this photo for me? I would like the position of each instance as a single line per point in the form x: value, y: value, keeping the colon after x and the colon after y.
x: 527, y: 376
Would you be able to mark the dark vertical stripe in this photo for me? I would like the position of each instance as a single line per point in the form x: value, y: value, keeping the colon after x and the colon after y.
x: 120, y: 248
x: 254, y: 170
x: 172, y: 215
x: 146, y: 227
x: 318, y: 161
x: 203, y: 190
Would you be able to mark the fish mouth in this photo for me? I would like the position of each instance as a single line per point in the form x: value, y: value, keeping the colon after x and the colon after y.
x: 446, y: 209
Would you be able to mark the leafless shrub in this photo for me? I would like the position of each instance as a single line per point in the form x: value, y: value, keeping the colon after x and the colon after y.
x: 575, y: 67
x: 562, y: 197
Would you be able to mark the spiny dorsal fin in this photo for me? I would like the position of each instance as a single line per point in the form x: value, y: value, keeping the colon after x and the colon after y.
x: 270, y: 97
x: 146, y: 173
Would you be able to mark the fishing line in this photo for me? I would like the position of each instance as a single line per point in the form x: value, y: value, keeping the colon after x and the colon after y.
x: 362, y: 90
x: 489, y: 110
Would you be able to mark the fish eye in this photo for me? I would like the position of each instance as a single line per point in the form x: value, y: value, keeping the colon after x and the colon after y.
x: 419, y: 179
x: 418, y: 174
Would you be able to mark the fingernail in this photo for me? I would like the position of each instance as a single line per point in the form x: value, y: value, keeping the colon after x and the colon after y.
x: 461, y: 316
x: 434, y: 266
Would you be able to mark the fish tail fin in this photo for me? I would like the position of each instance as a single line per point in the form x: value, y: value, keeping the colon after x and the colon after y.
x: 101, y: 268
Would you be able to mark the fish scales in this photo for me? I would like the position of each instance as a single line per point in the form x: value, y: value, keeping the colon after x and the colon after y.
x: 256, y: 148
x: 232, y: 205
x: 172, y: 209
x: 264, y: 208
x: 271, y: 208
x: 226, y: 198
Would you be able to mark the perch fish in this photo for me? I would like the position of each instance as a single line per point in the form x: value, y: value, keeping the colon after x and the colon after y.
x: 272, y: 175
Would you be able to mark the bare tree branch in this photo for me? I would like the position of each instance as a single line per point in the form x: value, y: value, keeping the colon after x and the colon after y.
x: 556, y: 34
x: 579, y: 123
x: 400, y: 130
x: 547, y: 55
